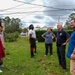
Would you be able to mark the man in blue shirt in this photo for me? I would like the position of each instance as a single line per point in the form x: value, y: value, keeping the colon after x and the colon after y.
x: 71, y: 48
x: 62, y: 37
x: 48, y: 36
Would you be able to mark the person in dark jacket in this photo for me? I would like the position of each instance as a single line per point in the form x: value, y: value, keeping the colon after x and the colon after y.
x: 62, y: 37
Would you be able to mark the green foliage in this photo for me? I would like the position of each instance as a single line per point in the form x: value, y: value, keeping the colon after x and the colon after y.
x: 12, y: 25
x: 40, y: 32
x: 11, y: 37
x: 67, y: 24
x: 19, y: 62
x: 39, y: 35
x: 72, y: 15
x: 69, y: 31
x: 24, y: 30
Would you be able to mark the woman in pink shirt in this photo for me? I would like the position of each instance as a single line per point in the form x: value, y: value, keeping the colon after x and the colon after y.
x: 2, y: 53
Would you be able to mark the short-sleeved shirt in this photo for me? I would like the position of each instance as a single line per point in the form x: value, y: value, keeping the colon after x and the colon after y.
x: 33, y: 33
x: 71, y: 44
x: 62, y: 36
x: 48, y: 37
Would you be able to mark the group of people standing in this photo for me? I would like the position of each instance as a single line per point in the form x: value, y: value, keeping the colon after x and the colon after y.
x: 62, y: 38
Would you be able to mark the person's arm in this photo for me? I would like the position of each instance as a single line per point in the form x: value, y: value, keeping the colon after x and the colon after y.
x: 66, y: 41
x: 2, y: 38
x: 30, y: 35
x: 53, y: 36
x: 43, y: 36
x: 74, y: 51
x: 56, y: 37
x: 68, y: 38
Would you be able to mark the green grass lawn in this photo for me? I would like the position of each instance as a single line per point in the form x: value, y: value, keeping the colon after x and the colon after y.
x: 18, y: 61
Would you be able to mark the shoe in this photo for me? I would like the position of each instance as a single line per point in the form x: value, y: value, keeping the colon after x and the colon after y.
x: 63, y: 70
x: 1, y: 71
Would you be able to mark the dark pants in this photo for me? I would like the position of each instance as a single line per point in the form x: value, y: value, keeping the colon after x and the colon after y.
x: 32, y: 54
x: 48, y: 46
x: 32, y: 46
x: 35, y: 48
x: 61, y: 56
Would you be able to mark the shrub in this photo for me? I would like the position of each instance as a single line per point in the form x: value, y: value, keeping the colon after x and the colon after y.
x: 11, y: 37
x: 40, y: 32
x: 39, y: 35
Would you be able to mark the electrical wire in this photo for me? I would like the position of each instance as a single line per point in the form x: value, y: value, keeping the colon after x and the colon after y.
x: 11, y: 8
x: 42, y: 5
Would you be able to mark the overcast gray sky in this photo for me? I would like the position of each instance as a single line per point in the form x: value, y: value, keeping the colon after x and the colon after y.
x: 38, y: 12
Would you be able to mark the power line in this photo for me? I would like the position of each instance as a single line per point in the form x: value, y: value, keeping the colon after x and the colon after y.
x: 36, y: 4
x: 29, y: 14
x: 43, y: 5
x: 10, y: 8
x: 26, y: 12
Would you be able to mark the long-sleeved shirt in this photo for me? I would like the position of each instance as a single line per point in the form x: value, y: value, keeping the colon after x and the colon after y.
x: 71, y: 45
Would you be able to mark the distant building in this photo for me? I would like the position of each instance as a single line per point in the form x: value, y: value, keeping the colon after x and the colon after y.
x: 37, y: 27
x: 42, y: 28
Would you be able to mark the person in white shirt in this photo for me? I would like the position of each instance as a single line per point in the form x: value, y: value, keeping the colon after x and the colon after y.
x: 32, y: 39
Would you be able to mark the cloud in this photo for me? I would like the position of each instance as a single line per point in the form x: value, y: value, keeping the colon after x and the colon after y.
x: 28, y: 1
x: 38, y: 16
x: 34, y: 21
x: 57, y: 7
x: 48, y: 16
x: 24, y: 24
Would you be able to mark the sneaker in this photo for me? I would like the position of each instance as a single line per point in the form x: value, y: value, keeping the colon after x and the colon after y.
x: 1, y: 71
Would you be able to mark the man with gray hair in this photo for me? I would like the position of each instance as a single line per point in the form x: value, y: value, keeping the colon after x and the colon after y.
x: 62, y: 37
x: 71, y: 48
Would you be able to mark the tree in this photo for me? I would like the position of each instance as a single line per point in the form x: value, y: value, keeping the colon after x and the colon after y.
x: 72, y: 15
x: 24, y: 30
x: 67, y: 24
x: 12, y: 25
x: 7, y: 21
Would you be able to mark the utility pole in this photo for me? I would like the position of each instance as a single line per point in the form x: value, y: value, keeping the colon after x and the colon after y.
x: 58, y: 19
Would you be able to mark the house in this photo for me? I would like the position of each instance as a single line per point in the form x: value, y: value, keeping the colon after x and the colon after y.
x: 37, y: 27
x: 44, y: 28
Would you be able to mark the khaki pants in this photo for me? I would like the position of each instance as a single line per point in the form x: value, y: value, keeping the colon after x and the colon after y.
x: 72, y: 67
